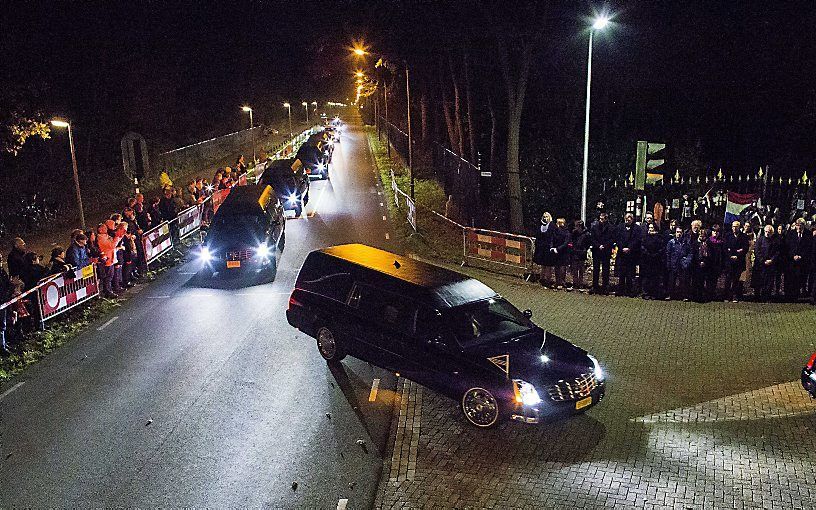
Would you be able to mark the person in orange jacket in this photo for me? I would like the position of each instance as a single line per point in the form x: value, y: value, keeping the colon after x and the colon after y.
x: 107, y: 248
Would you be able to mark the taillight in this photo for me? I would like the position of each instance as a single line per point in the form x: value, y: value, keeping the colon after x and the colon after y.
x: 294, y: 302
x: 811, y: 362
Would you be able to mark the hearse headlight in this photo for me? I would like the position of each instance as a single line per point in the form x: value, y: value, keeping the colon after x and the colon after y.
x: 321, y: 166
x: 205, y: 254
x: 292, y: 198
x: 525, y: 393
x: 596, y: 369
x: 263, y: 251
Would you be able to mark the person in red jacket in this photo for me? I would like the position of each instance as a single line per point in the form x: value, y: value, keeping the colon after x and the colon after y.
x: 107, y: 249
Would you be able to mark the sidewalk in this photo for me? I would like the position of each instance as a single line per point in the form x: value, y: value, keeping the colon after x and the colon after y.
x: 703, y: 409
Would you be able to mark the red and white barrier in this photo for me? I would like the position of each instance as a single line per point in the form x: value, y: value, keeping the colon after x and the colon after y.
x: 157, y: 241
x: 498, y: 248
x: 189, y: 220
x: 63, y: 292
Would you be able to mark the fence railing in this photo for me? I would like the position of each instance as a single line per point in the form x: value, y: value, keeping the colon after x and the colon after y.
x: 410, y: 204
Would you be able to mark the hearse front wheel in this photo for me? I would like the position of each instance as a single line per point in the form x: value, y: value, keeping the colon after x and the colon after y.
x: 329, y: 345
x: 480, y: 407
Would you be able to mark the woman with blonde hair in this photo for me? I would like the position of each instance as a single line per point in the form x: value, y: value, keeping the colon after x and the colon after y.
x: 543, y: 255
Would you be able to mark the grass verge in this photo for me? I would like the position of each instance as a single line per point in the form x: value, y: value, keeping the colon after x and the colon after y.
x: 435, y: 238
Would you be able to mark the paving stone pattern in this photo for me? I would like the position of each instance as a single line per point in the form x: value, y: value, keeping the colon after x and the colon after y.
x: 703, y: 410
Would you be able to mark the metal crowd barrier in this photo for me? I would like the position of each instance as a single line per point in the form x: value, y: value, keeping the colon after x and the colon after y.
x: 411, y: 204
x: 60, y: 293
x: 157, y: 241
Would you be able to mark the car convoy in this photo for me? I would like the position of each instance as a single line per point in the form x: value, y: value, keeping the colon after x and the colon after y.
x: 248, y: 230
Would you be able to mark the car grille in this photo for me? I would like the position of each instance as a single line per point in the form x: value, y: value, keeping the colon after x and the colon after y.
x: 575, y: 389
x: 239, y: 254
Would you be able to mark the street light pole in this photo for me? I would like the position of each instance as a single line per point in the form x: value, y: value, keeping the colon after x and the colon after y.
x: 248, y: 109
x: 410, y: 147
x: 289, y: 107
x: 306, y: 107
x: 62, y: 123
x: 599, y: 24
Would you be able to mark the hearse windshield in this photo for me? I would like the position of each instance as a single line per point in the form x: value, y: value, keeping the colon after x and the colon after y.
x: 486, y: 321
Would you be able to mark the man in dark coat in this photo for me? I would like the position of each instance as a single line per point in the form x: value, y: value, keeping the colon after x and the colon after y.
x: 652, y: 250
x: 602, y: 238
x: 798, y: 250
x: 677, y: 264
x: 578, y: 254
x: 6, y: 291
x: 16, y: 258
x: 561, y: 251
x: 627, y: 239
x: 735, y: 248
x: 766, y: 255
x: 167, y: 205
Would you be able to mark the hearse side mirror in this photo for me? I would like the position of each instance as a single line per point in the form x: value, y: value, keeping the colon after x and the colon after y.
x: 528, y: 313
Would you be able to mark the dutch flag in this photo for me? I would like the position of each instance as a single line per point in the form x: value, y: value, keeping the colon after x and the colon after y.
x: 737, y: 202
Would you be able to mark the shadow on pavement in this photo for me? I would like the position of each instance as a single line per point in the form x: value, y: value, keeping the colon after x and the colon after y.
x: 229, y: 281
x: 350, y: 384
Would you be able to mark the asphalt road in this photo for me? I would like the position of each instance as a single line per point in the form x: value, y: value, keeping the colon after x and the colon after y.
x: 195, y: 394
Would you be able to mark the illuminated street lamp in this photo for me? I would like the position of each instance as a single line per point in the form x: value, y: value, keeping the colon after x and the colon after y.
x: 314, y: 103
x: 63, y: 124
x: 599, y: 24
x: 306, y: 107
x: 248, y: 109
x: 359, y: 74
x: 289, y: 107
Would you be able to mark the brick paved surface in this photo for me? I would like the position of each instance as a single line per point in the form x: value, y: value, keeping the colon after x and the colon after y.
x: 703, y: 410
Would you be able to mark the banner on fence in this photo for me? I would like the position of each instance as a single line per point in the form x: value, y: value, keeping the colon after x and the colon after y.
x: 157, y: 241
x: 189, y: 220
x: 66, y: 291
x: 218, y: 198
x: 509, y: 250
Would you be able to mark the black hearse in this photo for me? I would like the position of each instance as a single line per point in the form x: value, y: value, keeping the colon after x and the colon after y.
x: 289, y: 180
x: 247, y: 233
x: 441, y: 329
x: 314, y: 160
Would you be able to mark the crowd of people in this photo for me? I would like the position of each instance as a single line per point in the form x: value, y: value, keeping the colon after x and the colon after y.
x: 114, y: 246
x: 734, y: 262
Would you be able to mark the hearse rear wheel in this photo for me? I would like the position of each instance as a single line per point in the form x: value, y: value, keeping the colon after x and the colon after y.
x: 480, y: 407
x: 329, y: 346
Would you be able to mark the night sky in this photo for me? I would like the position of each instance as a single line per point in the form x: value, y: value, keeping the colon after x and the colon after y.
x: 737, y: 76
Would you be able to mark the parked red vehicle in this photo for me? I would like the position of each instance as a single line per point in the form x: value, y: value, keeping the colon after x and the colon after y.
x: 809, y: 376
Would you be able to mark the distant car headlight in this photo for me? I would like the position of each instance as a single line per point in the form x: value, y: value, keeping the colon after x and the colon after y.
x: 596, y: 369
x: 525, y: 393
x: 205, y: 254
x: 263, y: 251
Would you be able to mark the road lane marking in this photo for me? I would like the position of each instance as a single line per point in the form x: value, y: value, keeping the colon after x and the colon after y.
x: 103, y: 326
x: 342, y: 503
x: 187, y: 272
x: 8, y: 391
x: 158, y: 297
x: 382, y: 204
x: 372, y: 396
x: 387, y: 236
x: 385, y: 219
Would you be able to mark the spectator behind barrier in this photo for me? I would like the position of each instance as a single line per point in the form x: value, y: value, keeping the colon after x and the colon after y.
x: 33, y: 271
x: 16, y: 258
x: 57, y: 264
x: 78, y: 254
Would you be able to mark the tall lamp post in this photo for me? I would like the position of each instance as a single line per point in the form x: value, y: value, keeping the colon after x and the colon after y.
x: 599, y: 24
x: 248, y: 109
x: 306, y: 107
x: 289, y: 107
x: 64, y: 124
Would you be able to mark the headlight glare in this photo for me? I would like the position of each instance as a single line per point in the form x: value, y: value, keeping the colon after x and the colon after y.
x: 205, y: 254
x: 596, y: 368
x: 263, y: 250
x: 525, y: 393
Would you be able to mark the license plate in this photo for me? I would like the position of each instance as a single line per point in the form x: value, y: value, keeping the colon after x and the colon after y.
x: 584, y: 402
x: 233, y: 264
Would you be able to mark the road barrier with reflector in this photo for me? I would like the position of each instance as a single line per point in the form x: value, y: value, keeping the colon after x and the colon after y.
x: 156, y: 241
x: 60, y: 293
x: 490, y: 248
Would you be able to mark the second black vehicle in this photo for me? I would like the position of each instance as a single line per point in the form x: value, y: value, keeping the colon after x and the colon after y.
x: 444, y: 330
x: 247, y: 233
x: 290, y: 182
